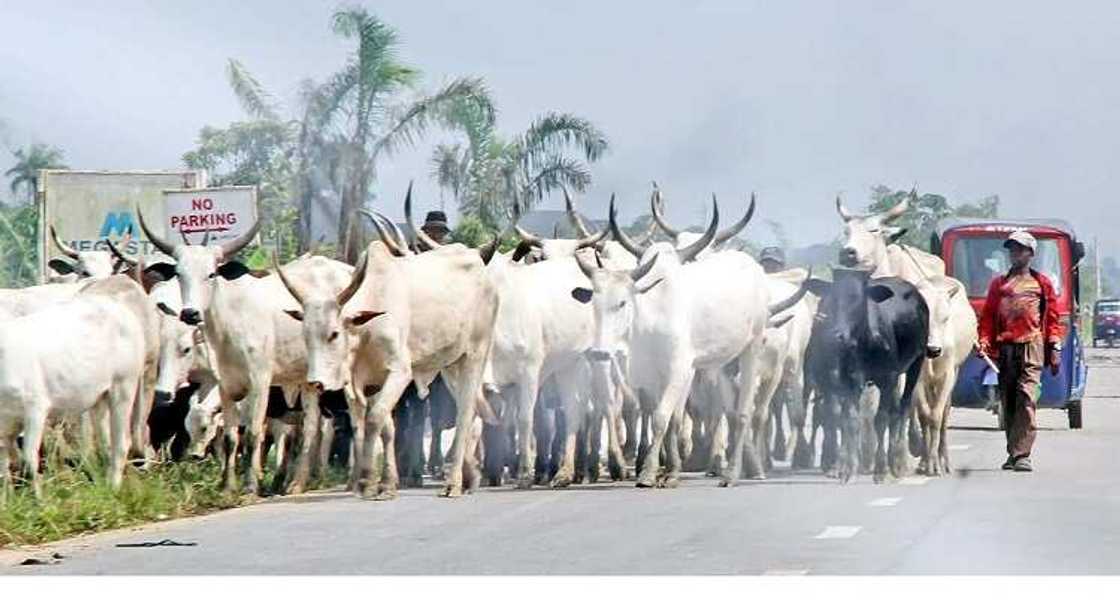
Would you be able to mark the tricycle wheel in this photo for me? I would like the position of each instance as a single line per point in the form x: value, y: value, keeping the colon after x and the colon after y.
x: 1074, y: 410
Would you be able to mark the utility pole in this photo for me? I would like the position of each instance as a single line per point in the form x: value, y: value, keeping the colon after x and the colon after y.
x: 1097, y: 264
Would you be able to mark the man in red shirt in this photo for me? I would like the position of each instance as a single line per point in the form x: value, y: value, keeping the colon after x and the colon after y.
x: 1021, y: 331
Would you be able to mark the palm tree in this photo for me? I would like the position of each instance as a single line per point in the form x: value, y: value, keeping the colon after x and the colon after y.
x: 489, y: 174
x: 359, y: 115
x: 25, y: 173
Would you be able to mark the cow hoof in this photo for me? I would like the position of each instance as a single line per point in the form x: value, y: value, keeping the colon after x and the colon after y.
x: 524, y: 483
x: 386, y: 494
x: 645, y: 482
x: 726, y: 482
x: 561, y: 481
x: 670, y: 482
x: 880, y: 478
x: 832, y: 473
x: 294, y: 489
x: 451, y: 491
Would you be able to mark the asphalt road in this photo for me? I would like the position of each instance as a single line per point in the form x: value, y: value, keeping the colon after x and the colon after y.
x: 1062, y: 519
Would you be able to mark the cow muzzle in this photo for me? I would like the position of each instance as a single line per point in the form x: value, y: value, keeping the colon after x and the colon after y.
x: 849, y: 257
x: 191, y: 316
x: 317, y: 387
x: 597, y: 355
x: 933, y: 351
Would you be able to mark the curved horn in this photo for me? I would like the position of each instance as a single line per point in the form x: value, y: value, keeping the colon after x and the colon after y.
x: 655, y: 205
x: 355, y: 281
x: 525, y: 235
x: 398, y: 234
x: 643, y: 269
x: 647, y: 238
x: 586, y: 268
x: 160, y: 244
x: 574, y: 217
x: 689, y: 253
x: 68, y: 250
x: 422, y: 239
x: 386, y: 239
x: 845, y: 215
x: 620, y: 236
x: 735, y: 228
x: 120, y: 254
x: 786, y: 304
x: 284, y: 279
x: 593, y: 240
x: 488, y: 250
x: 896, y: 212
x: 230, y: 248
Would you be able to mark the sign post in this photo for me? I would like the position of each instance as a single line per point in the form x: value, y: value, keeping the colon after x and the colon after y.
x: 224, y: 212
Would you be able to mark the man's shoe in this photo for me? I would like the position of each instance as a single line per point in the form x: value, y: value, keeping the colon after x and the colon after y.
x: 1024, y: 465
x: 1009, y: 464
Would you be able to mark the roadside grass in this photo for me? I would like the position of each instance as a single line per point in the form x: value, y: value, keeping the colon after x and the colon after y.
x: 77, y: 499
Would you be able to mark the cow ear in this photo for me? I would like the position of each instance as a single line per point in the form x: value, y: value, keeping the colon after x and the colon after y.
x: 818, y: 287
x: 167, y: 310
x: 880, y: 293
x: 953, y: 288
x: 233, y: 270
x: 581, y: 294
x: 160, y: 271
x: 895, y: 233
x: 361, y: 317
x: 296, y: 314
x: 61, y: 266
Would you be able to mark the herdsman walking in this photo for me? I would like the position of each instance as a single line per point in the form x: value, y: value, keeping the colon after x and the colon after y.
x: 1020, y: 330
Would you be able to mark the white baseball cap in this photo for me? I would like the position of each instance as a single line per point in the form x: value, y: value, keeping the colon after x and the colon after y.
x: 1023, y: 238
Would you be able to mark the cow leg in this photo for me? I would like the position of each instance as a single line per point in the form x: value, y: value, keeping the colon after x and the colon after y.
x: 631, y: 414
x: 671, y: 474
x: 379, y: 426
x: 121, y: 401
x: 141, y: 447
x: 594, y: 445
x: 309, y: 429
x: 230, y: 441
x: 901, y: 400
x: 802, y: 457
x: 464, y: 380
x: 7, y: 443
x: 922, y: 415
x: 609, y: 398
x: 525, y: 405
x: 852, y: 428
x: 946, y: 406
x: 869, y: 408
x: 671, y: 402
x: 882, y: 422
x: 34, y: 423
x: 572, y: 407
x: 741, y: 444
x: 767, y: 387
x: 356, y: 405
x: 256, y: 402
x: 544, y: 431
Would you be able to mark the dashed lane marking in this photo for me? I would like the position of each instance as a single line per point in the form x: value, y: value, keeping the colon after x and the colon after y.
x: 959, y: 446
x: 913, y: 480
x: 833, y: 532
x: 884, y: 502
x: 785, y: 572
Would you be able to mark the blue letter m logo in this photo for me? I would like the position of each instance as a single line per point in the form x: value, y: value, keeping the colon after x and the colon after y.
x: 117, y: 223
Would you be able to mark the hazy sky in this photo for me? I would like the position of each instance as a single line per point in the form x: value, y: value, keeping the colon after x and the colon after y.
x: 795, y: 100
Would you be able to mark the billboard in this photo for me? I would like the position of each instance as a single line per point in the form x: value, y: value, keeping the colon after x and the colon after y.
x: 86, y: 207
x: 224, y: 212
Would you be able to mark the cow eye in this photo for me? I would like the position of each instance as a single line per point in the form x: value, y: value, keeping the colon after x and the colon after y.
x: 621, y: 304
x: 212, y: 275
x: 332, y: 336
x: 185, y: 351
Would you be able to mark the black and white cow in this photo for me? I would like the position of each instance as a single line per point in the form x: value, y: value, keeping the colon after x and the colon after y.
x: 867, y: 332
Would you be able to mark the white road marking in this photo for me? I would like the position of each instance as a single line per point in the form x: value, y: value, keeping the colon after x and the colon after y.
x: 884, y: 502
x: 959, y: 446
x: 785, y: 572
x: 832, y: 532
x: 913, y: 481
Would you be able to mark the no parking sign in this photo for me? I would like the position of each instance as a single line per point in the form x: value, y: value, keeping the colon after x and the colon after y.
x: 225, y: 212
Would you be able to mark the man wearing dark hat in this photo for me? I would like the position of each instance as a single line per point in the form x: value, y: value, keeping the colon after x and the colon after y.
x: 435, y: 226
x: 1021, y: 331
x: 773, y: 259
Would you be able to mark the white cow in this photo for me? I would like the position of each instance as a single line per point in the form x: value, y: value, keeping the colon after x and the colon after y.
x: 97, y: 263
x: 409, y: 319
x: 74, y: 356
x: 674, y: 318
x: 255, y: 344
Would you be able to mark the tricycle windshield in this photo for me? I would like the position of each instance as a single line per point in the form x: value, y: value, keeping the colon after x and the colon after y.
x: 977, y: 260
x: 1108, y: 307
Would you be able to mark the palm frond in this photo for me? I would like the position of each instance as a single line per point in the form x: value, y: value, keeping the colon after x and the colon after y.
x: 254, y: 99
x: 411, y: 122
x: 553, y: 132
x: 558, y: 170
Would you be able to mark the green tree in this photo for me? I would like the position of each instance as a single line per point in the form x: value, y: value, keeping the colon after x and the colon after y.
x: 19, y: 256
x: 926, y: 211
x: 24, y: 175
x: 364, y: 112
x: 488, y: 174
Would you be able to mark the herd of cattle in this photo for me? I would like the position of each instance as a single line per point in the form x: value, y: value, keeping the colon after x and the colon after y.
x: 685, y: 351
